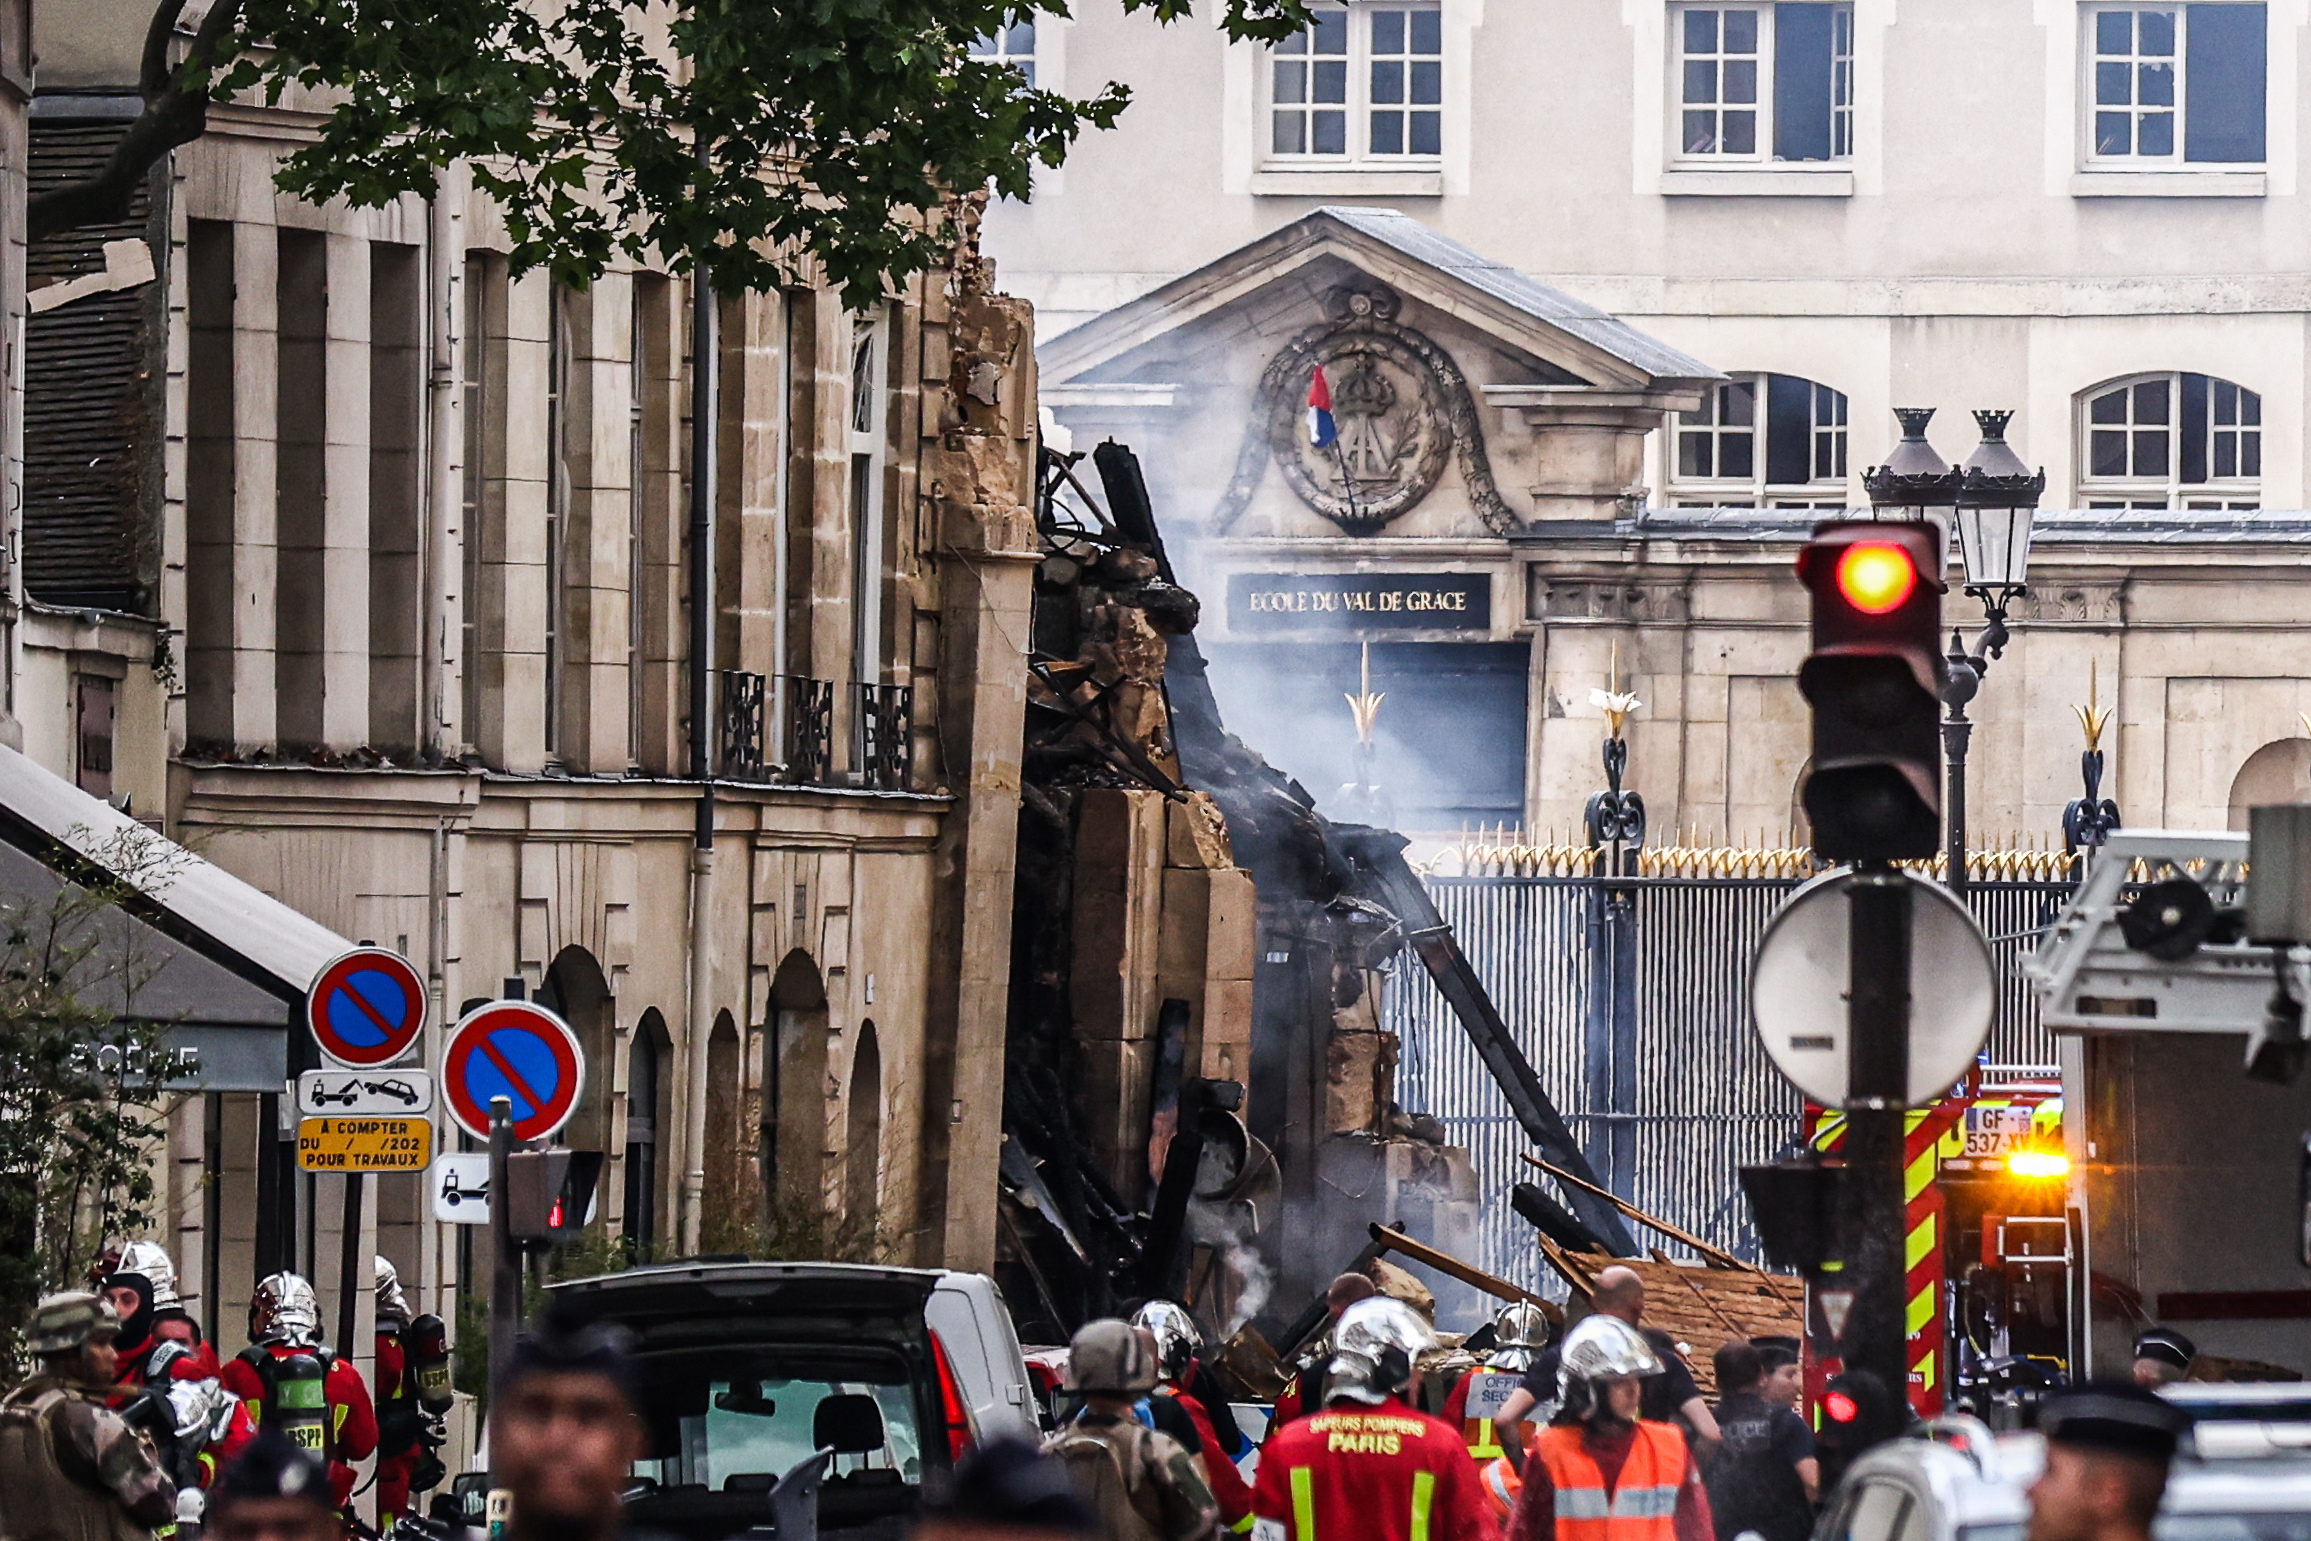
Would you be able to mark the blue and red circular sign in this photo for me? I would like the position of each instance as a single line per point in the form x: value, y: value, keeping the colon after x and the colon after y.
x: 517, y: 1051
x: 367, y: 1008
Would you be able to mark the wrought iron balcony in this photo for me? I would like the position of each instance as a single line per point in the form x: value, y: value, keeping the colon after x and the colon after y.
x: 810, y: 729
x: 886, y: 737
x: 741, y: 756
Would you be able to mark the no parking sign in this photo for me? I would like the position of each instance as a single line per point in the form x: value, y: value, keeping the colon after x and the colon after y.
x: 518, y: 1051
x: 367, y: 1008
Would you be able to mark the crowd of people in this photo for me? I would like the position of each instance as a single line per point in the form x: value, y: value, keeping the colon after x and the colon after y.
x: 1602, y: 1435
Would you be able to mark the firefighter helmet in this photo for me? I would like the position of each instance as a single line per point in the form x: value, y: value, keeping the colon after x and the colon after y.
x: 1601, y: 1348
x: 392, y: 1305
x: 1176, y: 1335
x: 1374, y: 1348
x: 64, y: 1321
x: 1519, y: 1329
x: 1109, y: 1358
x: 284, y: 1309
x: 151, y: 1260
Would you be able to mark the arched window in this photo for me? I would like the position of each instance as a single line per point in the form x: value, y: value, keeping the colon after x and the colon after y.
x: 1761, y: 441
x: 2171, y: 441
x: 650, y: 1072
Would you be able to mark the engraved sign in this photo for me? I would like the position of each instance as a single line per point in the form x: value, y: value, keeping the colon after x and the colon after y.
x: 1359, y: 602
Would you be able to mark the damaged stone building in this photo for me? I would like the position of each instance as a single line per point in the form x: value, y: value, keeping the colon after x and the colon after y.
x: 366, y: 567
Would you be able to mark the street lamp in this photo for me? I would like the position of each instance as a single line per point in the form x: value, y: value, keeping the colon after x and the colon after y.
x: 1992, y: 500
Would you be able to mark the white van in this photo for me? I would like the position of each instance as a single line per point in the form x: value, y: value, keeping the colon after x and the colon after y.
x: 967, y: 1311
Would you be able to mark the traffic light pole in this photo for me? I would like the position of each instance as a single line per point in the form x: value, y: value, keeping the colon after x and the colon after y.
x: 1873, y: 1225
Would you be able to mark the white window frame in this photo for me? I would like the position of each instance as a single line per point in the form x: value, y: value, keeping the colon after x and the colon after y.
x: 1843, y: 79
x: 1003, y: 53
x: 1832, y: 494
x: 1358, y: 107
x: 2090, y: 159
x: 2236, y: 493
x: 871, y: 339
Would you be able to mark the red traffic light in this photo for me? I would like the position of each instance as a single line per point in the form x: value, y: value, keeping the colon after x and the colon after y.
x: 1840, y: 1407
x: 1876, y: 577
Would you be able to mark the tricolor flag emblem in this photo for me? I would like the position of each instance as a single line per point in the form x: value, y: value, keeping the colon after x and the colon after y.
x: 1321, y: 432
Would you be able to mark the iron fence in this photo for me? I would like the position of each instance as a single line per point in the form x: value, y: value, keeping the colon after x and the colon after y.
x: 810, y: 729
x: 886, y: 737
x: 1629, y: 997
x: 742, y: 714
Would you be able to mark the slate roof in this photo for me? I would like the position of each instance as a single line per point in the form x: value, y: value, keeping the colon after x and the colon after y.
x: 1608, y: 333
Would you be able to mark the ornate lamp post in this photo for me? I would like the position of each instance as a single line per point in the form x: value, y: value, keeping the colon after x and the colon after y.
x: 1991, y: 500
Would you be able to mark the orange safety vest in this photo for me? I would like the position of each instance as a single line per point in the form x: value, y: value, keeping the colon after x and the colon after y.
x: 1641, y: 1507
x: 1480, y: 1391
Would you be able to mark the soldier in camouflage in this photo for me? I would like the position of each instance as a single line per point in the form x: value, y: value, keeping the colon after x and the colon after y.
x: 70, y: 1468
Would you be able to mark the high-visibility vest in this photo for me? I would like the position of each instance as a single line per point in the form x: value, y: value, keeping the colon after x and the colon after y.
x: 1486, y: 1389
x: 1642, y: 1505
x: 1502, y: 1484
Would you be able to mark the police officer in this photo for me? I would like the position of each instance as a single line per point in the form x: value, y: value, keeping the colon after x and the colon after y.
x: 274, y: 1492
x: 1177, y: 1338
x: 293, y: 1382
x: 1520, y: 1331
x: 2108, y: 1447
x: 56, y: 1434
x: 1371, y: 1467
x: 2162, y: 1356
x: 1141, y: 1485
x: 1601, y: 1471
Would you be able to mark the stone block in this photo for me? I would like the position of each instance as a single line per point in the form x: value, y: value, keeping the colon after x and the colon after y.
x: 1198, y: 833
x: 1223, y: 1050
x: 1118, y: 912
x: 1113, y: 1105
x: 1232, y: 924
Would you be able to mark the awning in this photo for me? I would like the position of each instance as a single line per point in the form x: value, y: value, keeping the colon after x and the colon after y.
x: 221, y: 964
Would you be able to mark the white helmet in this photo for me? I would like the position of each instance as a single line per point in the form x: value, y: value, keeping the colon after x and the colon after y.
x: 392, y: 1305
x: 151, y: 1260
x: 1374, y: 1347
x: 1600, y: 1348
x: 1175, y: 1332
x: 294, y: 1311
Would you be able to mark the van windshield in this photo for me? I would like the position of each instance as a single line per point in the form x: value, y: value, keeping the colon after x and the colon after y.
x: 2233, y: 1527
x: 736, y: 1419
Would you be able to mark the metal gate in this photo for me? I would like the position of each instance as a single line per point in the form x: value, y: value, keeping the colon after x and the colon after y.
x: 1628, y: 996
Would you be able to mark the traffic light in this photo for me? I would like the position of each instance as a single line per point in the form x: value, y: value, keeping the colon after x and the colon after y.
x: 1857, y: 1411
x: 550, y: 1193
x: 1874, y: 680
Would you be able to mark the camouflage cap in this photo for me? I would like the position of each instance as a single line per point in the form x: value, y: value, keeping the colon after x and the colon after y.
x: 64, y: 1321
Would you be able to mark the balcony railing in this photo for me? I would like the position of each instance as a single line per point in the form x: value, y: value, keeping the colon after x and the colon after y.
x: 742, y: 726
x: 810, y: 729
x: 886, y: 737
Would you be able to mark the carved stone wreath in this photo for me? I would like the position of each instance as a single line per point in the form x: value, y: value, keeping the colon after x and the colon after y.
x: 1401, y: 409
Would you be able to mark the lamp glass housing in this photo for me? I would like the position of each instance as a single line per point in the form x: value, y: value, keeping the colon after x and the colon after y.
x: 1994, y: 542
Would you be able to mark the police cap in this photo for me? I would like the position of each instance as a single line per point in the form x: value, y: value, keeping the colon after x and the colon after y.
x: 2164, y: 1345
x: 2115, y: 1416
x: 273, y: 1467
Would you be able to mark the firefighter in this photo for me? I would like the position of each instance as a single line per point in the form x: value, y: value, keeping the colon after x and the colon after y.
x: 1601, y: 1471
x: 1370, y: 1466
x: 1140, y: 1484
x: 1305, y: 1390
x: 1176, y: 1341
x: 401, y: 1422
x: 291, y: 1382
x: 71, y: 1469
x: 170, y: 1382
x: 1520, y: 1331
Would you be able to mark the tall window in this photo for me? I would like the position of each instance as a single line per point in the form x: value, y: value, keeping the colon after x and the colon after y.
x: 557, y: 508
x: 1772, y: 441
x: 2175, y: 85
x: 646, y: 294
x: 1014, y: 45
x: 1765, y: 82
x: 1360, y: 83
x: 483, y: 459
x: 870, y: 370
x: 2172, y: 441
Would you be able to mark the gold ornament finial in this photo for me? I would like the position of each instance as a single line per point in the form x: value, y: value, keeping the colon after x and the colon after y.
x: 2305, y: 719
x: 2093, y: 716
x: 1365, y: 706
x: 1616, y: 702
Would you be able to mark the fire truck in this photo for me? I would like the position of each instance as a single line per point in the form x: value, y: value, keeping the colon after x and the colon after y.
x: 1992, y: 1249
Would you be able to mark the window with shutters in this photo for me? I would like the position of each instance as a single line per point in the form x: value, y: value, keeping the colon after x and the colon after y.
x: 1762, y: 84
x: 2171, y: 441
x: 1761, y: 441
x: 2173, y: 86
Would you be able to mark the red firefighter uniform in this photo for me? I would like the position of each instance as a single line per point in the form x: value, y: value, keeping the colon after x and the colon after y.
x: 352, y: 1434
x: 1227, y: 1483
x: 1471, y: 1404
x: 199, y: 1364
x: 1358, y: 1473
x: 394, y: 1386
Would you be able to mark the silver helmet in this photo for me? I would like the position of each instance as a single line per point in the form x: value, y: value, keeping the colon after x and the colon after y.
x: 1177, y: 1338
x: 1519, y: 1329
x: 1375, y: 1345
x: 1601, y: 1348
x: 284, y: 1309
x: 151, y: 1260
x: 392, y: 1305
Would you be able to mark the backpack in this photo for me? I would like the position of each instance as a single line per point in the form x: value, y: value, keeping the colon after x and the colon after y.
x: 1115, y: 1473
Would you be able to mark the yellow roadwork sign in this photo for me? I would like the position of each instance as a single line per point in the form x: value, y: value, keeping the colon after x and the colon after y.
x: 364, y: 1144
